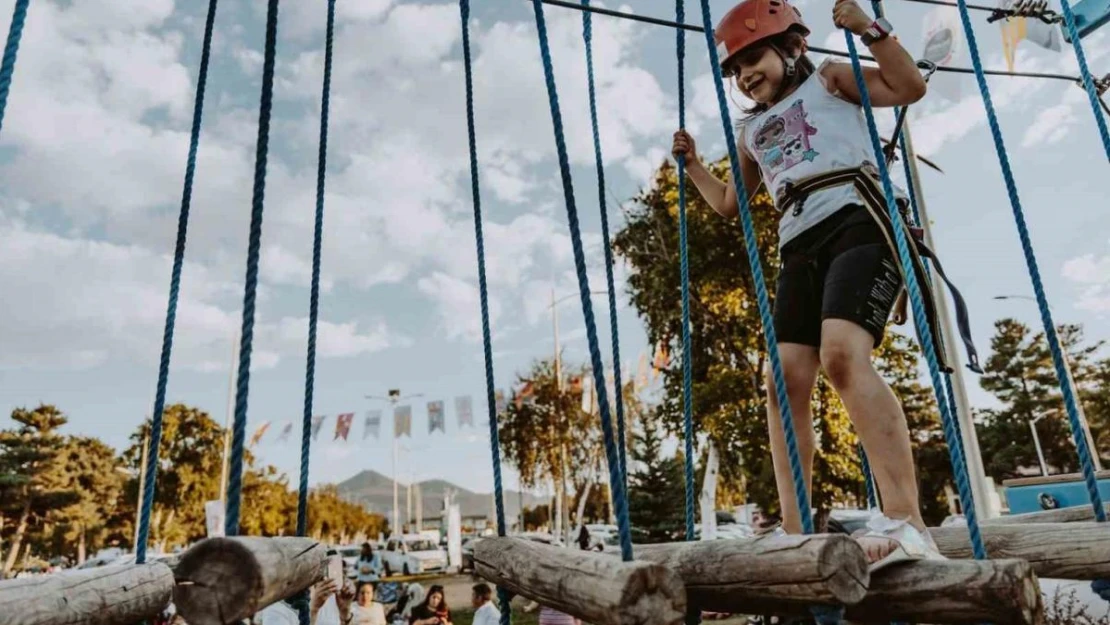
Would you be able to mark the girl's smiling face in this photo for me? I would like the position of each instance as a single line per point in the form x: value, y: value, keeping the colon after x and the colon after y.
x: 758, y: 72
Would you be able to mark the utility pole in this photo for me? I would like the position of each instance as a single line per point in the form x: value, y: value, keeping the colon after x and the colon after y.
x: 142, y: 487
x: 977, y: 475
x: 394, y: 397
x: 227, y: 418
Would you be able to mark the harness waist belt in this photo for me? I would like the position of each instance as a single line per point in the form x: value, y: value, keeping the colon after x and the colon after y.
x: 865, y: 179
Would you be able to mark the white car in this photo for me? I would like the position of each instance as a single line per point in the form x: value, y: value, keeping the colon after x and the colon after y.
x: 412, y: 554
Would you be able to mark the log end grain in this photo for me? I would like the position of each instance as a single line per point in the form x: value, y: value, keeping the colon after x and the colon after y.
x: 218, y: 582
x: 842, y: 563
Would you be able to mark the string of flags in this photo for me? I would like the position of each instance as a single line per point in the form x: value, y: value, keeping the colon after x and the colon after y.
x: 372, y: 422
x: 646, y: 375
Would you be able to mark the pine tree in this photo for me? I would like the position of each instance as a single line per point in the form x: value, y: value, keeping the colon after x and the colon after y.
x: 1021, y: 375
x: 656, y: 486
x: 27, y: 490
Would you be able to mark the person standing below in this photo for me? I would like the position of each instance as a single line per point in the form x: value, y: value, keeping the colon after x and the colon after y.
x: 369, y: 565
x: 365, y: 610
x: 485, y: 613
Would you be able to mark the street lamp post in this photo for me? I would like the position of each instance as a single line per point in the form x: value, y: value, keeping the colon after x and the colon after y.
x: 564, y: 513
x: 1037, y: 444
x: 394, y: 398
x: 1070, y: 381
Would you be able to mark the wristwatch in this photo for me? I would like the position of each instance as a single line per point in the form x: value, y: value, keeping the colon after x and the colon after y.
x: 878, y: 30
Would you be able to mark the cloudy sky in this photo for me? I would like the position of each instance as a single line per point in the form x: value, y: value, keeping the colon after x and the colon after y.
x: 92, y: 155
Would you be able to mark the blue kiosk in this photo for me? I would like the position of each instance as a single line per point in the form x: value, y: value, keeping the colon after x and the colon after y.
x: 1051, y: 492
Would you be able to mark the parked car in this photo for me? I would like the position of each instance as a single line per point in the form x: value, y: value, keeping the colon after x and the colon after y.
x: 412, y: 554
x: 468, y: 544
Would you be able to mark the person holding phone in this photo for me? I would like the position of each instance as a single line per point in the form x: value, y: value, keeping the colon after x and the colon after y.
x: 433, y: 610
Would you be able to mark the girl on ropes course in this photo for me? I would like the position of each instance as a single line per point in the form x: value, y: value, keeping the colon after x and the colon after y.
x: 805, y: 137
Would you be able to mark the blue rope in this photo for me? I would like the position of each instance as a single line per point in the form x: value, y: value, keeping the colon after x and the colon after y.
x: 1085, y: 74
x: 868, y: 478
x: 687, y: 365
x: 1066, y: 389
x: 587, y: 36
x: 951, y: 428
x: 762, y: 299
x: 155, y: 441
x: 314, y: 298
x: 239, y: 426
x: 11, y: 49
x: 823, y: 615
x: 693, y: 614
x: 503, y: 597
x: 616, y: 483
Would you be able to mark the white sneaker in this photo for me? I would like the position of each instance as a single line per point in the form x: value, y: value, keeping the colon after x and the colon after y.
x: 910, y: 544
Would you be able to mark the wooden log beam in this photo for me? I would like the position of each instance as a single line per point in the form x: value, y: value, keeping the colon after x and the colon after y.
x: 594, y: 587
x: 103, y: 596
x: 753, y: 576
x: 1072, y: 514
x: 1056, y: 550
x: 962, y: 592
x: 1002, y: 592
x: 224, y: 580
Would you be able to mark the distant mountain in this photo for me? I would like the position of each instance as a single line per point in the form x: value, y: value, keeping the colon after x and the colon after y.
x: 374, y: 491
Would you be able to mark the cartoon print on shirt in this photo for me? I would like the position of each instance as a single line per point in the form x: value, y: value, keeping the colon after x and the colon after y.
x: 783, y: 140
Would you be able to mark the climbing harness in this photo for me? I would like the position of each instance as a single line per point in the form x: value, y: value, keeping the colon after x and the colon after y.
x: 866, y: 181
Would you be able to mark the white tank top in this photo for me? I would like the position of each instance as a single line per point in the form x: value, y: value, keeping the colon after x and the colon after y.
x: 809, y: 132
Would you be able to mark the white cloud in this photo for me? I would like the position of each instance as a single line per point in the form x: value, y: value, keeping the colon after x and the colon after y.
x: 101, y: 302
x: 103, y: 101
x: 1050, y: 126
x: 459, y: 305
x: 1092, y: 274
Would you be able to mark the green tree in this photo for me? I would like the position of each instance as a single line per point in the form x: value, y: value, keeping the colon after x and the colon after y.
x: 545, y: 433
x: 29, y: 487
x: 91, y: 469
x: 1021, y: 375
x: 656, y: 486
x: 190, y: 460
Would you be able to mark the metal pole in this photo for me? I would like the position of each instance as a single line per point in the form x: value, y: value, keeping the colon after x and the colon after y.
x: 396, y: 512
x: 977, y: 475
x: 1037, y: 444
x: 228, y: 416
x: 142, y: 486
x: 555, y: 328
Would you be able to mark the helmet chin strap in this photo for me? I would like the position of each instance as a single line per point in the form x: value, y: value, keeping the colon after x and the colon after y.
x: 790, y: 69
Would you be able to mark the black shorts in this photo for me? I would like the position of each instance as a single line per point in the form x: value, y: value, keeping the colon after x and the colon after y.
x: 839, y: 269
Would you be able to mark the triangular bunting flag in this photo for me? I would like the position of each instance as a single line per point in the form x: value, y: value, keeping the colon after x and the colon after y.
x: 343, y: 425
x: 402, y: 421
x: 436, y: 419
x: 373, y: 424
x: 464, y: 411
x: 259, y: 433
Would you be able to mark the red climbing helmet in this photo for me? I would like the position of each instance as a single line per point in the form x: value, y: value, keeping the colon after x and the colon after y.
x: 752, y: 21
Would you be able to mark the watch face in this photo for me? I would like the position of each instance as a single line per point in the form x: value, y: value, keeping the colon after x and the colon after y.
x: 883, y: 24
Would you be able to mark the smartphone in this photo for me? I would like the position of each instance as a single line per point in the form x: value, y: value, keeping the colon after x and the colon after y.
x: 335, y: 569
